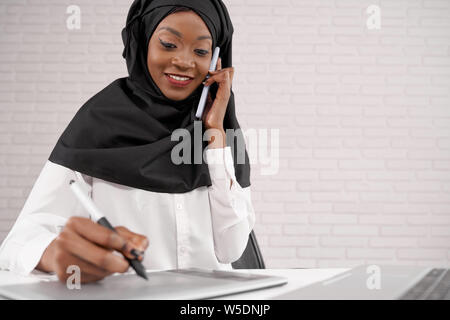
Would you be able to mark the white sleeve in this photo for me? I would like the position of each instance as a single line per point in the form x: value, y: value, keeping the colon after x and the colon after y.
x: 233, y: 216
x: 50, y: 203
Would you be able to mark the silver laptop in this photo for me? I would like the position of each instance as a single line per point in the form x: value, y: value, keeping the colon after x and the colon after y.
x: 379, y: 282
x: 182, y: 284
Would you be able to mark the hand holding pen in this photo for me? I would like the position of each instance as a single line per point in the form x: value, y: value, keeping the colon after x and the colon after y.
x: 131, y: 255
x: 90, y: 246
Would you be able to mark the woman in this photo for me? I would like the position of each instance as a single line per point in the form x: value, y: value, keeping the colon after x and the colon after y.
x: 118, y: 146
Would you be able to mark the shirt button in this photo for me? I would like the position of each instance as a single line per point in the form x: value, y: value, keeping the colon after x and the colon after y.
x: 179, y: 206
x: 182, y: 250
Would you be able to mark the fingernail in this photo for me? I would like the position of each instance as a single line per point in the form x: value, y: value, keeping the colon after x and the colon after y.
x: 123, y: 241
x: 137, y: 253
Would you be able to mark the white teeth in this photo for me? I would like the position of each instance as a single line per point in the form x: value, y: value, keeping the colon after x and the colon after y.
x: 178, y: 78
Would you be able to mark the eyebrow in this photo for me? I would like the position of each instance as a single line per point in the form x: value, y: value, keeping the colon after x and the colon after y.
x: 178, y: 34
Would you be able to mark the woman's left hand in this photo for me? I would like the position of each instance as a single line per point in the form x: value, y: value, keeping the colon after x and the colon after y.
x: 214, y: 113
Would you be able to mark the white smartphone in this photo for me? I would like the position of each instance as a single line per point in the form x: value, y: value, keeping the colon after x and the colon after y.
x: 204, y: 96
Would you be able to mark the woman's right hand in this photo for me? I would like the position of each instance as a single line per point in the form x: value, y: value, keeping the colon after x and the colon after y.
x: 91, y: 247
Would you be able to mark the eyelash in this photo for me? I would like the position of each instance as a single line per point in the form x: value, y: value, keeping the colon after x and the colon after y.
x: 168, y: 45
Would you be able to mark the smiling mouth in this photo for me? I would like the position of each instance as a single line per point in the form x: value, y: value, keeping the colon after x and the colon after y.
x: 178, y: 81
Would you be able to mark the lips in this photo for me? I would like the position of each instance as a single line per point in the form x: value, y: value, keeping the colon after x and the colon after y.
x: 178, y: 83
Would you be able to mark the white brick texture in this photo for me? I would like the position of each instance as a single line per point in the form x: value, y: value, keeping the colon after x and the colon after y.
x: 364, y: 117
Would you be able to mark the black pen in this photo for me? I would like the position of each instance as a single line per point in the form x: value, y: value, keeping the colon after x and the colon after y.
x: 100, y: 218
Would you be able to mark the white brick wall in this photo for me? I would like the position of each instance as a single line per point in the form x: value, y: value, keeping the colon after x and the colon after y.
x: 364, y: 117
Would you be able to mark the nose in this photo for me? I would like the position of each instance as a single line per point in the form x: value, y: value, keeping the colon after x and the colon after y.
x: 183, y: 61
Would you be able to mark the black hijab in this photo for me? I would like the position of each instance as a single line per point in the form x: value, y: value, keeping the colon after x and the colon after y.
x: 123, y: 133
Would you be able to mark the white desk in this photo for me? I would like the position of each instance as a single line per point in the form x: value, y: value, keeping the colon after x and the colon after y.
x: 296, y: 278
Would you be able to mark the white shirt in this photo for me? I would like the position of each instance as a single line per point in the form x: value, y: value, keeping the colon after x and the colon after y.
x: 207, y: 227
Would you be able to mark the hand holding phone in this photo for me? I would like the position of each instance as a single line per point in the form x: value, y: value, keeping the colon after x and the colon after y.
x: 204, y: 96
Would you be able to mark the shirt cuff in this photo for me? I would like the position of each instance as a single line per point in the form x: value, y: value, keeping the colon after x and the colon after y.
x: 31, y: 253
x: 220, y: 163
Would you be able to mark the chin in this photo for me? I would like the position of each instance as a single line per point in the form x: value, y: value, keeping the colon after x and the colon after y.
x: 178, y: 97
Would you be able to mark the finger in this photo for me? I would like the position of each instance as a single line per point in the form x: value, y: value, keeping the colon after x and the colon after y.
x: 219, y: 78
x: 86, y: 250
x: 98, y: 234
x: 210, y: 81
x: 219, y: 64
x: 65, y: 259
x: 84, y: 277
x: 87, y: 278
x: 138, y: 242
x: 220, y: 71
x: 225, y: 77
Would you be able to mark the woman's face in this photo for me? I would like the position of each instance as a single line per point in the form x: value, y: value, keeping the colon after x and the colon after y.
x: 181, y: 45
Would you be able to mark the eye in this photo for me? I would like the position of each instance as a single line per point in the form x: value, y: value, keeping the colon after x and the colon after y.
x: 167, y: 44
x: 202, y: 52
